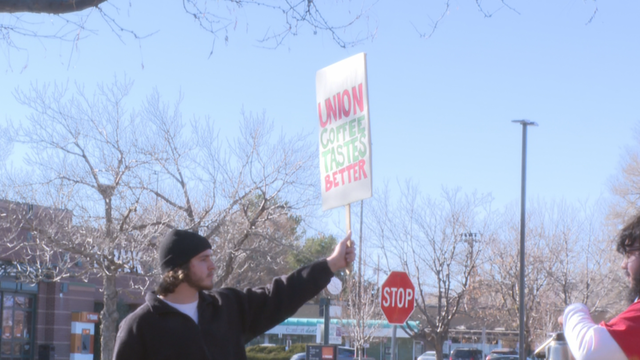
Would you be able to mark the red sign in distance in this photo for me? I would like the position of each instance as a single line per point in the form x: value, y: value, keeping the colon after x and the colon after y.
x: 397, y: 297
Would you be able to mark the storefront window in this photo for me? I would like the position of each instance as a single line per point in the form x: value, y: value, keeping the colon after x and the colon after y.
x: 17, y: 326
x: 7, y: 301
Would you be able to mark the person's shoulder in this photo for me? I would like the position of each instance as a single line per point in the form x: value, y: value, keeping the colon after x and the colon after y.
x: 633, y: 309
x: 221, y: 294
x: 226, y: 297
x: 138, y: 316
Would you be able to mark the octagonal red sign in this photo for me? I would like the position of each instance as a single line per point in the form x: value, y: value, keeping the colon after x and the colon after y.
x: 397, y: 297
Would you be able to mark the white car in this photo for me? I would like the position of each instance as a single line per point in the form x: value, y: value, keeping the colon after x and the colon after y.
x: 429, y: 355
x: 299, y: 356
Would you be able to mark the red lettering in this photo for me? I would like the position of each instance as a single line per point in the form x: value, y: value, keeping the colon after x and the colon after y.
x: 336, y: 178
x: 340, y: 105
x: 328, y: 184
x: 349, y: 168
x: 358, y: 99
x: 331, y: 109
x: 361, y: 168
x: 346, y: 111
x: 322, y: 123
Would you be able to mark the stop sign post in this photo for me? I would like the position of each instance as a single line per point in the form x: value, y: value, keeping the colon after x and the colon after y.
x: 397, y: 297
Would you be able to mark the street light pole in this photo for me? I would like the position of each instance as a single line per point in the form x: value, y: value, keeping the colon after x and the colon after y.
x: 524, y: 123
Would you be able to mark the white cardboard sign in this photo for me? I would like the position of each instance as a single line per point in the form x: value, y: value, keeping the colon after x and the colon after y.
x: 345, y: 136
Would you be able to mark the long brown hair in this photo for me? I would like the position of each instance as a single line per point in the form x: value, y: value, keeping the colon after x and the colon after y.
x: 171, y: 279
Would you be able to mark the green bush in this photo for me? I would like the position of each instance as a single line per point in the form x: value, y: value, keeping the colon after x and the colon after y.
x: 259, y: 349
x: 281, y: 356
x: 297, y: 348
x: 259, y: 352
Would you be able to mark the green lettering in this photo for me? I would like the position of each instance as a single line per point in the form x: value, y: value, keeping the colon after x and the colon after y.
x: 361, y: 128
x: 352, y: 128
x: 354, y: 150
x: 349, y: 146
x: 363, y: 145
x: 324, y: 141
x: 334, y: 164
x: 324, y: 161
x: 343, y: 129
x: 340, y: 155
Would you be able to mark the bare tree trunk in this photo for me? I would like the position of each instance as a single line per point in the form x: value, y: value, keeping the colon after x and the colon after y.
x: 109, y: 317
x: 438, y: 346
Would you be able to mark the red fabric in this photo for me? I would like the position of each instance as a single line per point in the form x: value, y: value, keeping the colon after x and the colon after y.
x: 625, y: 330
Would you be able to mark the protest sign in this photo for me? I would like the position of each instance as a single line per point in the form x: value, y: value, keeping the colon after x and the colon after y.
x: 345, y: 136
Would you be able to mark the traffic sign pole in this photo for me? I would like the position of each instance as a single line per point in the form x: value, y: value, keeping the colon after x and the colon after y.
x: 393, y: 342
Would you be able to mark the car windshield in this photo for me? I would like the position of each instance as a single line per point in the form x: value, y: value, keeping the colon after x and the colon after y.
x: 346, y: 353
x: 464, y: 353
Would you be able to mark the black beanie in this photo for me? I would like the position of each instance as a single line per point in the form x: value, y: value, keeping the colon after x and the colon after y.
x: 179, y: 247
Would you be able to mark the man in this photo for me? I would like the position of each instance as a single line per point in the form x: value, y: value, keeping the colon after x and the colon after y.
x: 619, y: 339
x: 181, y: 321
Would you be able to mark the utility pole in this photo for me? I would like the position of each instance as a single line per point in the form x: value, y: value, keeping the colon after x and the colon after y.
x: 523, y: 183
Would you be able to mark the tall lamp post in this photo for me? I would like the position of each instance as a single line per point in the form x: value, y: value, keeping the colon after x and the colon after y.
x: 524, y: 124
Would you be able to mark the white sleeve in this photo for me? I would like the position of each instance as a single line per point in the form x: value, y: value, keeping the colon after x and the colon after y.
x: 587, y: 340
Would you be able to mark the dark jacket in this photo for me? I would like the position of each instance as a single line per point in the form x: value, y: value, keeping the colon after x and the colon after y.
x: 227, y: 319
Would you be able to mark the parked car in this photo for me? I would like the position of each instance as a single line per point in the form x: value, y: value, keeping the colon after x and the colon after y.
x: 466, y: 354
x: 431, y: 355
x: 346, y: 353
x: 502, y: 354
x: 504, y: 357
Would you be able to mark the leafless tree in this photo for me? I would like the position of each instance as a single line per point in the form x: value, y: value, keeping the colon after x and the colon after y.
x: 567, y: 260
x: 438, y: 242
x: 624, y: 205
x: 84, y: 161
x: 115, y: 180
x: 501, y: 276
x: 625, y: 184
x: 582, y: 253
x: 247, y: 196
x: 72, y: 20
x: 487, y: 8
x: 362, y: 316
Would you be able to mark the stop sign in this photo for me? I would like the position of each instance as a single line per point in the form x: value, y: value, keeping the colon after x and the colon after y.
x: 397, y: 297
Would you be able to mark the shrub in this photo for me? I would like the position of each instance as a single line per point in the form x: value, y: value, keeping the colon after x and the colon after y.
x: 259, y: 352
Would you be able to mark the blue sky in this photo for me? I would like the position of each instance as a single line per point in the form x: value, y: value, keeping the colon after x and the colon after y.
x: 441, y: 108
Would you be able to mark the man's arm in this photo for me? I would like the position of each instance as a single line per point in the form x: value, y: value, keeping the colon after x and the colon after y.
x: 587, y: 340
x: 265, y: 307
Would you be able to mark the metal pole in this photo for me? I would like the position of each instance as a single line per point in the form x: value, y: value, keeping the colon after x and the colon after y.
x: 522, y: 235
x: 521, y: 306
x: 393, y: 342
x: 360, y: 288
x: 327, y: 320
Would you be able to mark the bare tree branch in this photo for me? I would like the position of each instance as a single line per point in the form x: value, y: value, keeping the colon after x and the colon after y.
x: 47, y: 6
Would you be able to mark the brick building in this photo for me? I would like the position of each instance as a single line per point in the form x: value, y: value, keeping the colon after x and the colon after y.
x: 38, y: 317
